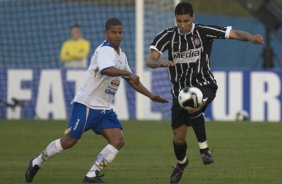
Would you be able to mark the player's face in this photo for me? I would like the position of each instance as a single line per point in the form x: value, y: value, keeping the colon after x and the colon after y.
x: 184, y: 23
x: 114, y: 35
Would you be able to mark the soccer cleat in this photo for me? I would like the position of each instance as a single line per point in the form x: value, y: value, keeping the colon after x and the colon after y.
x: 207, y: 157
x: 96, y: 179
x: 31, y: 172
x: 177, y: 172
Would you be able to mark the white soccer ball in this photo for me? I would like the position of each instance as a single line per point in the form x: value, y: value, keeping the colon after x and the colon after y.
x: 190, y: 97
x: 242, y: 115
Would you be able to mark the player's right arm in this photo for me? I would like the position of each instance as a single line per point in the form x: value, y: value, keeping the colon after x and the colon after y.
x: 134, y: 82
x: 153, y: 60
x: 115, y: 72
x: 105, y: 58
x: 159, y: 44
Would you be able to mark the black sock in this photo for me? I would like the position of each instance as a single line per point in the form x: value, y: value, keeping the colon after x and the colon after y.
x: 180, y: 150
x: 199, y: 128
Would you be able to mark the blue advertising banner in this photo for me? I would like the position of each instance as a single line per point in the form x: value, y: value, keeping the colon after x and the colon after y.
x: 47, y: 94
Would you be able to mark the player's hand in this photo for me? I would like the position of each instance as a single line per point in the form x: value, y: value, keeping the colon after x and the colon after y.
x: 158, y: 99
x: 191, y: 110
x: 257, y: 39
x: 167, y: 63
x: 134, y: 79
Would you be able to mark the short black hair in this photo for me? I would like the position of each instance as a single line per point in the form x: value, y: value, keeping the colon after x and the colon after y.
x: 183, y: 8
x: 75, y: 26
x: 112, y: 22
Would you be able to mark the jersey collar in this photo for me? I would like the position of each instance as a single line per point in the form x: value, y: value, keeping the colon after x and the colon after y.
x: 105, y: 43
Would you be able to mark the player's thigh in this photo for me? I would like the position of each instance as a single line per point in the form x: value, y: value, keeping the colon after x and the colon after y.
x: 78, y: 121
x: 179, y: 116
x: 105, y: 119
x: 108, y: 125
x: 209, y: 92
x: 179, y: 134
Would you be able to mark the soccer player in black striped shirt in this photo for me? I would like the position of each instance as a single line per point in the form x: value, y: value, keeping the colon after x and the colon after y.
x: 189, y: 47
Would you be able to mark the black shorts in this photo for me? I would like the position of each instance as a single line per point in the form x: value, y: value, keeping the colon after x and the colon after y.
x: 180, y: 116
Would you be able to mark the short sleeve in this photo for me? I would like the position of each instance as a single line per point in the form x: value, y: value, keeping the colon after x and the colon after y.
x: 215, y: 32
x: 105, y: 57
x: 161, y: 41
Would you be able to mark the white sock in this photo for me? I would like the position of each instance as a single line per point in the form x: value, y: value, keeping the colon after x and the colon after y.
x: 105, y: 157
x: 183, y: 161
x: 203, y: 145
x: 52, y: 149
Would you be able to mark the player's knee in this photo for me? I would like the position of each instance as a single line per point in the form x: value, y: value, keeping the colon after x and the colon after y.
x: 179, y: 141
x: 68, y: 142
x: 118, y: 144
x: 179, y: 136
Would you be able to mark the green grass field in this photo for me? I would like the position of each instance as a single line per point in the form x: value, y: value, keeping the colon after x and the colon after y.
x: 245, y: 153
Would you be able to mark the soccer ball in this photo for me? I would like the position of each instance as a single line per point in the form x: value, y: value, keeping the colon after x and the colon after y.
x: 242, y: 115
x: 190, y: 97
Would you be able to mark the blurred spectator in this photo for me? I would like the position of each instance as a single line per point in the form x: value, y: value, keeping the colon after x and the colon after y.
x: 74, y: 51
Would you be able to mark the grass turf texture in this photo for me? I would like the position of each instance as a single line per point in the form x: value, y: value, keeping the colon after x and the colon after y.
x: 245, y: 153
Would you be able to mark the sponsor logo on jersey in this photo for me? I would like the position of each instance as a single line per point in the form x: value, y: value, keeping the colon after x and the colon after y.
x: 189, y: 56
x: 115, y: 82
x: 110, y: 92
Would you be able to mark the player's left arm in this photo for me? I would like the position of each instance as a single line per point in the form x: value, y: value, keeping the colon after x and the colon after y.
x: 245, y: 36
x: 143, y: 90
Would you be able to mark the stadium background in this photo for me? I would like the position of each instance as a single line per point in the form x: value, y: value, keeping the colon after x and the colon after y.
x: 32, y: 33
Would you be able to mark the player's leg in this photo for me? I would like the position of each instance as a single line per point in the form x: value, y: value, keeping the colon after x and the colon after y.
x: 180, y: 148
x: 199, y: 127
x: 54, y: 148
x: 179, y: 142
x: 34, y: 164
x: 200, y: 132
x: 110, y: 128
x: 75, y: 129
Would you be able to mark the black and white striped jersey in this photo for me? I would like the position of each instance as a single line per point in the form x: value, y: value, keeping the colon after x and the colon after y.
x: 190, y: 53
